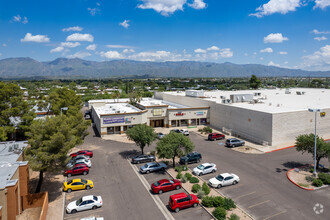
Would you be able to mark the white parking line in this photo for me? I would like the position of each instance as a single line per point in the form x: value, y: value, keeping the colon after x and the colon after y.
x: 275, y: 215
x: 245, y: 195
x: 156, y: 198
x: 258, y: 204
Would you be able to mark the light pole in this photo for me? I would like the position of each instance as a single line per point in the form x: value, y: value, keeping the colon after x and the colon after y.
x: 64, y: 108
x: 316, y: 110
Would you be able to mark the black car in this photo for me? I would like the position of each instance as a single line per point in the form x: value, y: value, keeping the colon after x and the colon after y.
x: 143, y: 158
x: 175, y: 130
x: 193, y: 157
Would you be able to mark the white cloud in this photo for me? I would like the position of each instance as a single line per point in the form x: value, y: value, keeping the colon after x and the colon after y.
x: 91, y: 47
x: 17, y: 18
x: 57, y: 50
x: 4, y: 45
x: 0, y: 54
x: 246, y: 54
x: 267, y: 50
x: 70, y: 44
x: 36, y: 38
x: 261, y: 58
x: 80, y: 54
x: 164, y: 7
x: 93, y: 11
x: 320, y: 38
x: 118, y: 46
x: 275, y: 38
x: 283, y: 52
x: 156, y: 56
x: 198, y: 4
x: 271, y: 63
x: 112, y: 54
x: 128, y: 51
x: 277, y: 6
x: 25, y: 20
x: 318, y: 60
x: 75, y: 28
x: 215, y: 48
x: 80, y: 37
x: 315, y: 31
x: 322, y: 4
x: 125, y: 23
x: 226, y: 53
x: 286, y: 62
x: 199, y: 50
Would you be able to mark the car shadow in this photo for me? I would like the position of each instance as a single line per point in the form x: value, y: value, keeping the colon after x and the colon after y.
x: 293, y: 164
x: 129, y: 153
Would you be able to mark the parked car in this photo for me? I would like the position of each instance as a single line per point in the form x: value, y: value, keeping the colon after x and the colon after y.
x: 143, y: 158
x: 185, y: 132
x: 215, y: 136
x: 84, y: 203
x: 233, y: 142
x: 82, y: 152
x: 175, y: 130
x: 224, y: 179
x: 193, y: 157
x: 153, y: 166
x: 204, y: 169
x: 77, y: 184
x: 79, y: 157
x: 160, y: 135
x: 80, y: 161
x: 92, y: 218
x: 87, y: 115
x: 182, y: 200
x: 165, y: 185
x: 77, y: 169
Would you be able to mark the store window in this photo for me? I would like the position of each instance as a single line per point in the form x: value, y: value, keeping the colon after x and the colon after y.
x: 173, y: 123
x: 203, y: 121
x: 193, y: 121
x: 184, y: 122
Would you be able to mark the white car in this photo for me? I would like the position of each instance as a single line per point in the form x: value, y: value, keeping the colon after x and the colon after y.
x: 93, y: 218
x: 185, y: 132
x: 80, y: 161
x: 224, y: 179
x: 84, y: 203
x: 204, y: 169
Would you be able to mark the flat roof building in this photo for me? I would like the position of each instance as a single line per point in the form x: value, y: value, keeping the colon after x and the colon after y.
x: 268, y: 116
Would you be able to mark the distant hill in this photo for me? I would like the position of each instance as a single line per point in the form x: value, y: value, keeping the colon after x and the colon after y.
x: 27, y: 68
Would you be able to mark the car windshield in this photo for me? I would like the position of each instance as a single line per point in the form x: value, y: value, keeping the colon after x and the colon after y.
x: 189, y: 196
x: 78, y: 201
x: 157, y: 183
x: 220, y: 178
x: 84, y: 181
x: 69, y: 182
x: 201, y: 167
x: 145, y: 166
x: 171, y: 181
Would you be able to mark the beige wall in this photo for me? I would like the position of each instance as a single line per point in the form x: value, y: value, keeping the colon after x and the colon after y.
x: 3, y: 203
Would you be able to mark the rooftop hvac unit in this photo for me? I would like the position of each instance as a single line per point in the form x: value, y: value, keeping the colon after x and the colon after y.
x: 15, y: 146
x: 117, y: 112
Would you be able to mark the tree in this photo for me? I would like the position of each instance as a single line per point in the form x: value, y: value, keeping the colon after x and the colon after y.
x: 143, y: 135
x: 255, y: 83
x: 174, y: 145
x: 63, y: 97
x: 134, y: 97
x: 306, y: 143
x: 50, y: 141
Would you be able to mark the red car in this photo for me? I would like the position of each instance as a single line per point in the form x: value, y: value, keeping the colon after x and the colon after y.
x: 77, y: 169
x: 165, y: 185
x: 82, y: 152
x: 215, y: 136
x: 182, y: 200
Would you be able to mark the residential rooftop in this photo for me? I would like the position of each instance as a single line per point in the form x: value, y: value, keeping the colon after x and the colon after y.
x: 272, y: 100
x: 116, y: 108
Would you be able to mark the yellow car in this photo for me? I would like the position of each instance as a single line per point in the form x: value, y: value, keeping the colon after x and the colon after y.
x: 77, y: 184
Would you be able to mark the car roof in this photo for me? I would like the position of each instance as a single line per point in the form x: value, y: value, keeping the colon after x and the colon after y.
x: 163, y: 181
x: 90, y: 197
x: 224, y: 175
x: 207, y: 164
x: 76, y: 180
x: 178, y: 196
x: 80, y: 164
x: 152, y: 163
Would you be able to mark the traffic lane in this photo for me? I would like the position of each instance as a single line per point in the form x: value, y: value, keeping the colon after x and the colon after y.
x: 189, y: 213
x: 122, y: 192
x: 260, y: 173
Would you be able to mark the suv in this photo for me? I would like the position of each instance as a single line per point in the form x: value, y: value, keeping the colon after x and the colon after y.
x: 215, y: 136
x: 182, y: 200
x: 185, y: 132
x: 77, y: 169
x: 88, y: 153
x: 193, y: 157
x: 233, y: 142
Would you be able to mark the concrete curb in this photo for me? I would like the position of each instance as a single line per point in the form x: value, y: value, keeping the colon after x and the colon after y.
x: 280, y: 149
x: 66, y: 179
x: 199, y: 203
x: 287, y: 174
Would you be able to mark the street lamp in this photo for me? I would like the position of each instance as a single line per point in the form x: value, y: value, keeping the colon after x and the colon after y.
x: 64, y: 108
x: 314, y: 110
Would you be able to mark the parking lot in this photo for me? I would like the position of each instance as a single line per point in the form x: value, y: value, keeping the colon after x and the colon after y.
x: 264, y: 191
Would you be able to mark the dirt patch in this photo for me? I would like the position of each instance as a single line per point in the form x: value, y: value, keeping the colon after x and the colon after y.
x: 247, y: 150
x: 30, y: 214
x: 299, y: 177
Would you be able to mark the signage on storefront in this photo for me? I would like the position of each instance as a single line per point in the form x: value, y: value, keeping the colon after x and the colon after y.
x: 157, y: 112
x: 128, y: 120
x: 113, y: 120
x: 199, y: 113
x: 322, y: 114
x: 179, y: 114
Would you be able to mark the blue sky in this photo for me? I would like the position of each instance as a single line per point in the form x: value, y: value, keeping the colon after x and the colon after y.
x: 285, y: 33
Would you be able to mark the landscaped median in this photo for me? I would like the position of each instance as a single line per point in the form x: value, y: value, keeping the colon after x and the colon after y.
x: 219, y: 206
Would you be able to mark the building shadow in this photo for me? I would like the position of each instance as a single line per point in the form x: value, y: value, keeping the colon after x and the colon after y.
x: 129, y: 153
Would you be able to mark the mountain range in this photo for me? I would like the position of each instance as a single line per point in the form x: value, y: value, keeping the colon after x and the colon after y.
x: 63, y: 68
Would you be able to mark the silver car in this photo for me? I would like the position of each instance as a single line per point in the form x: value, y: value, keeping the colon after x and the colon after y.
x: 153, y: 166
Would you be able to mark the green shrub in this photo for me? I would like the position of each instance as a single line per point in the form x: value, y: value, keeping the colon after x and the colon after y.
x: 206, y: 188
x: 181, y: 168
x: 311, y: 170
x: 200, y: 194
x: 200, y: 130
x: 234, y: 217
x: 218, y: 201
x: 165, y: 161
x: 219, y: 213
x: 228, y: 204
x: 207, y: 201
x: 179, y: 176
x: 207, y: 129
x: 309, y: 178
x: 188, y: 175
x: 317, y: 182
x: 194, y: 180
x: 325, y: 178
x: 153, y: 153
x: 195, y: 188
x: 184, y: 179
